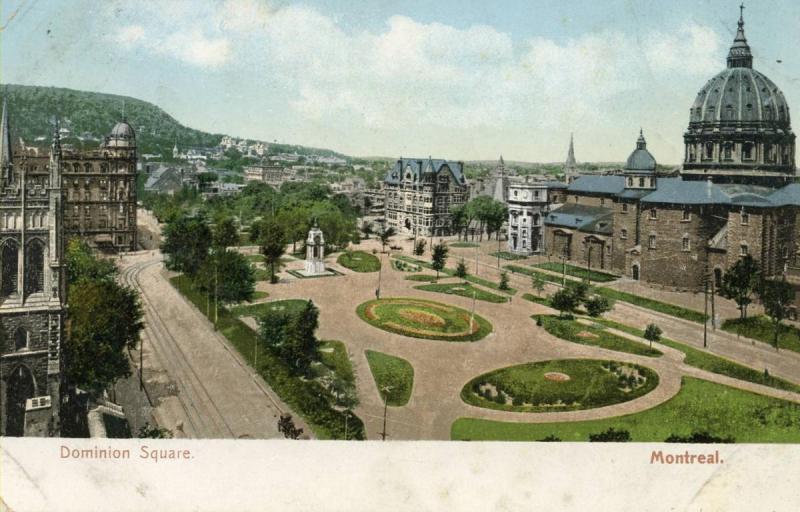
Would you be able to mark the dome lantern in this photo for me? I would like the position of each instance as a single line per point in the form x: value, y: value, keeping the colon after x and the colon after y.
x: 739, y: 56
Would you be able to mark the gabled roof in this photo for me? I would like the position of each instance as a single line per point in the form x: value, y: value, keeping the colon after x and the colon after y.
x: 420, y: 166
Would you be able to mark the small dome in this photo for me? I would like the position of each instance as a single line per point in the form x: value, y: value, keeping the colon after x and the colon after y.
x: 122, y: 130
x: 641, y: 159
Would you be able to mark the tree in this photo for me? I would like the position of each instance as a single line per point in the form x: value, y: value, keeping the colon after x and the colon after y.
x: 652, y: 333
x: 272, y: 242
x: 300, y: 345
x: 82, y: 264
x: 104, y: 319
x: 186, y: 244
x: 740, y: 282
x: 495, y: 215
x: 504, y: 282
x: 777, y: 297
x: 148, y: 431
x: 564, y: 301
x: 287, y: 428
x: 419, y: 247
x: 226, y: 234
x: 385, y: 235
x: 366, y: 228
x: 537, y: 283
x: 439, y: 258
x: 461, y: 269
x: 227, y: 276
x: 458, y: 218
x: 597, y: 305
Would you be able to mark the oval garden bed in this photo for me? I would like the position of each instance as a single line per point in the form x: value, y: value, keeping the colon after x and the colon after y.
x: 425, y: 319
x: 359, y: 261
x: 559, y: 385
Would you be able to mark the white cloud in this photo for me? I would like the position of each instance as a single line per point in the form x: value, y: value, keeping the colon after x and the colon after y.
x: 197, y: 49
x: 130, y: 35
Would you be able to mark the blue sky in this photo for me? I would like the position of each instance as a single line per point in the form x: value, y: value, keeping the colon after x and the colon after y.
x: 455, y: 79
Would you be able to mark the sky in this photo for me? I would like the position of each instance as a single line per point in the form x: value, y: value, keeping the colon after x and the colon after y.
x: 462, y: 80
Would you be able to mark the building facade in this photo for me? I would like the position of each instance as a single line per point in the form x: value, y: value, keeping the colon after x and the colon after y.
x: 527, y: 206
x: 32, y: 284
x: 419, y: 194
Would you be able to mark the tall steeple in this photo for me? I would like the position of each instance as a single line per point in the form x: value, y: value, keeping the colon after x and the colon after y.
x: 571, y: 164
x: 739, y: 55
x: 5, y: 139
x: 641, y: 143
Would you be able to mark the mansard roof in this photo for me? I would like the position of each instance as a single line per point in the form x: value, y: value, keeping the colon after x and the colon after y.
x: 420, y: 166
x: 677, y: 191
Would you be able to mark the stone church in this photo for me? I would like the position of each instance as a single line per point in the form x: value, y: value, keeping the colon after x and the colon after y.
x: 32, y: 284
x: 736, y: 195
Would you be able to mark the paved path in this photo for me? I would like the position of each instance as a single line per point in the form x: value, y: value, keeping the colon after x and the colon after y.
x: 200, y: 386
x: 441, y: 369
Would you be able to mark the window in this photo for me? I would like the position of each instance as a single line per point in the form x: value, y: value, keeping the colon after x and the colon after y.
x: 727, y: 151
x: 653, y: 213
x: 686, y: 245
x: 624, y: 234
x: 641, y: 181
x: 34, y: 267
x: 687, y: 215
x: 20, y: 339
x: 747, y: 151
x: 602, y: 201
x: 709, y: 150
x: 743, y: 250
x: 624, y: 207
x: 652, y: 242
x: 745, y: 218
x: 9, y: 267
x: 630, y: 181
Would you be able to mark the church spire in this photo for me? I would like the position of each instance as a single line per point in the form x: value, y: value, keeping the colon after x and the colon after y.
x: 739, y: 55
x: 641, y: 143
x: 571, y: 163
x: 5, y: 139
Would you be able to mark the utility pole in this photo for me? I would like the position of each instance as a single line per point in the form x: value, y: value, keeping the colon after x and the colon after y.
x: 713, y: 309
x: 589, y: 262
x: 216, y: 295
x: 141, y: 362
x: 472, y: 315
x: 476, y: 260
x: 378, y: 290
x: 564, y: 268
x: 385, y: 390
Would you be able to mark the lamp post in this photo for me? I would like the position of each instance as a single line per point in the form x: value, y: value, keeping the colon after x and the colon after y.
x: 385, y: 390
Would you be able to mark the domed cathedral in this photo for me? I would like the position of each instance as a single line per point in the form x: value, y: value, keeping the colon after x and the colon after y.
x: 739, y: 126
x: 32, y: 284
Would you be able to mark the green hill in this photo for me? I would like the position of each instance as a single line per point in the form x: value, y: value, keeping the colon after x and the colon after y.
x: 32, y: 108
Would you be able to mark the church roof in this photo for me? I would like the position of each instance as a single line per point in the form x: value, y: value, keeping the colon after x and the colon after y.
x: 5, y: 138
x: 677, y: 191
x: 592, y: 219
x: 786, y: 196
x: 641, y: 159
x: 598, y: 184
x: 419, y: 166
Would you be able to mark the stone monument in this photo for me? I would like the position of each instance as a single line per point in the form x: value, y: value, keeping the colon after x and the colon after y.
x: 315, y: 252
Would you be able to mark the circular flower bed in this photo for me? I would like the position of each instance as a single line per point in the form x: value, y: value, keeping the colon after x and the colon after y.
x: 559, y: 385
x: 425, y: 319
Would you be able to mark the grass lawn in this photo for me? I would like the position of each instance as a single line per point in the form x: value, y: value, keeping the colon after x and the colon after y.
x: 359, y: 261
x: 591, y: 383
x: 538, y: 300
x: 505, y: 255
x: 570, y: 330
x: 426, y: 278
x: 404, y: 266
x: 306, y: 397
x: 463, y: 290
x: 610, y: 293
x: 392, y: 372
x: 699, y: 406
x: 711, y: 362
x: 256, y: 310
x: 333, y: 354
x: 451, y: 272
x: 463, y: 245
x: 255, y: 258
x: 574, y: 271
x: 423, y: 319
x: 762, y: 329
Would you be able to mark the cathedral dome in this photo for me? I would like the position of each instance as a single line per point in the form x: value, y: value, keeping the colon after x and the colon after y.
x: 739, y: 126
x: 122, y: 130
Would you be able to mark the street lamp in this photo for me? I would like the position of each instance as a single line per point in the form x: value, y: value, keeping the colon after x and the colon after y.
x: 385, y: 390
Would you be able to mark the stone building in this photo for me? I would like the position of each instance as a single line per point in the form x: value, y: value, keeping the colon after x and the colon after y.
x: 527, y: 206
x: 100, y: 191
x: 420, y: 193
x: 736, y: 194
x: 32, y: 284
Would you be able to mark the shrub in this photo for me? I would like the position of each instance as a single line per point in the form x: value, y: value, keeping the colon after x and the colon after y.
x: 698, y: 437
x: 652, y: 333
x: 550, y: 439
x: 503, y: 281
x: 611, y: 435
x: 598, y: 305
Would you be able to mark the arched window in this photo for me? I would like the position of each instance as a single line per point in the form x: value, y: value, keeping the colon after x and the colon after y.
x: 20, y: 339
x: 9, y: 265
x: 34, y: 267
